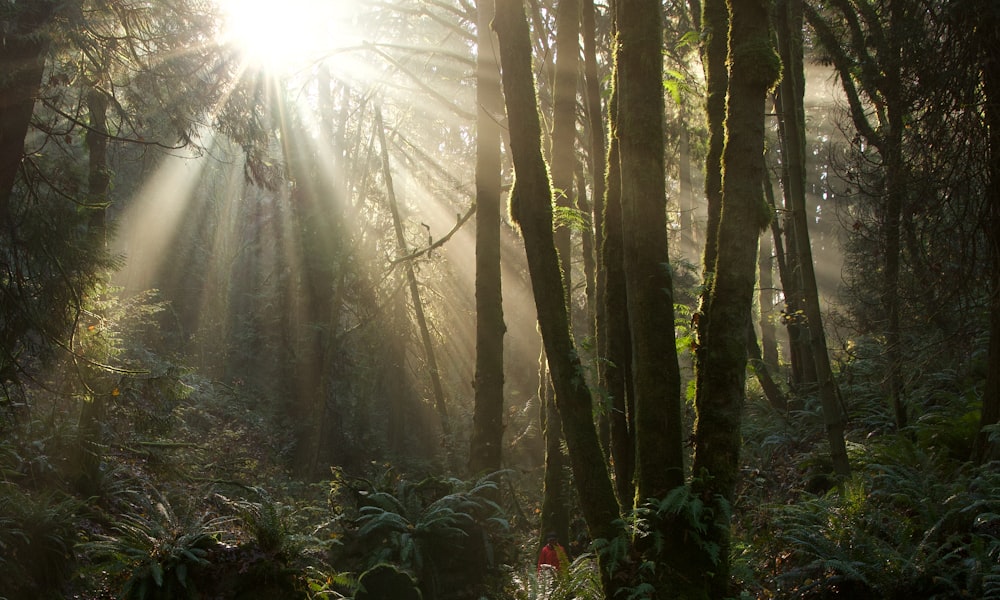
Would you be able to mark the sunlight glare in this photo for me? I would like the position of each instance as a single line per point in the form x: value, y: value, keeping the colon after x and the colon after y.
x: 286, y: 35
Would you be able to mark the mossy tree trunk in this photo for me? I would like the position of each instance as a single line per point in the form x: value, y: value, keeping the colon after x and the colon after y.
x: 555, y: 508
x: 487, y: 423
x: 615, y: 364
x: 92, y: 413
x: 639, y: 76
x: 754, y: 68
x: 531, y: 208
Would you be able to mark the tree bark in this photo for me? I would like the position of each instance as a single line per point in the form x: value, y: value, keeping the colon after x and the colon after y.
x: 22, y: 62
x: 555, y: 509
x: 792, y: 91
x: 765, y: 266
x: 487, y: 422
x: 555, y: 504
x: 531, y: 208
x: 800, y: 356
x: 93, y: 411
x: 597, y: 166
x: 753, y: 68
x: 616, y: 364
x: 639, y: 76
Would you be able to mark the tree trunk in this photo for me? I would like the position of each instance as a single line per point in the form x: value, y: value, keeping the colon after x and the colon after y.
x: 93, y: 411
x: 771, y: 390
x: 987, y: 446
x: 639, y: 76
x: 485, y: 452
x: 800, y: 356
x: 765, y: 266
x: 753, y: 69
x: 792, y: 90
x: 531, y: 208
x: 411, y: 280
x: 715, y: 31
x: 597, y: 156
x: 616, y: 364
x: 555, y: 509
x: 22, y: 63
x: 555, y: 504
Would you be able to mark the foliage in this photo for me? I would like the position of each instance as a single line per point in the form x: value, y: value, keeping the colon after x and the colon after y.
x: 154, y: 553
x: 37, y: 533
x: 581, y: 581
x: 386, y: 581
x: 434, y: 528
x: 911, y: 523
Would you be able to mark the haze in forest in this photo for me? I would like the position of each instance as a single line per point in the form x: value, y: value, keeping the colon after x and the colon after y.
x: 379, y: 298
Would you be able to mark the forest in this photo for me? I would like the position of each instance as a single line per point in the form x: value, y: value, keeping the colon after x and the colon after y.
x: 370, y: 298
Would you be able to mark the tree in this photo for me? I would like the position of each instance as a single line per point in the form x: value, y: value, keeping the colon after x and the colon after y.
x: 792, y: 90
x: 531, y: 209
x: 613, y: 333
x: 22, y: 60
x: 487, y: 427
x: 754, y: 68
x: 555, y: 508
x: 640, y: 123
x: 984, y: 21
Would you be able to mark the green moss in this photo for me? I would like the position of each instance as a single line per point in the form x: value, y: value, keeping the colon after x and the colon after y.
x: 760, y: 59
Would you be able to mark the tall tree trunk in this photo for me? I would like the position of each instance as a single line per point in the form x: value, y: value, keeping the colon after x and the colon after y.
x: 616, y: 365
x: 555, y: 509
x: 555, y: 504
x: 753, y: 68
x: 596, y: 155
x: 93, y: 411
x: 531, y: 208
x: 22, y: 62
x: 686, y: 193
x: 799, y: 354
x: 792, y: 91
x: 895, y: 190
x: 656, y: 374
x: 714, y: 21
x: 715, y: 33
x: 487, y: 422
x: 987, y: 446
x: 411, y: 281
x: 587, y: 249
x: 562, y: 155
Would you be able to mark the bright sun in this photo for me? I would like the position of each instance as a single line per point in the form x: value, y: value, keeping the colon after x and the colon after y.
x: 285, y: 35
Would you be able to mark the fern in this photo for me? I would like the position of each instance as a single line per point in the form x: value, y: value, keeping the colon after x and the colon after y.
x: 155, y: 552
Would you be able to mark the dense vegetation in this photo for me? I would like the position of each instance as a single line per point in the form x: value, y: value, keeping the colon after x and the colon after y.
x: 253, y: 343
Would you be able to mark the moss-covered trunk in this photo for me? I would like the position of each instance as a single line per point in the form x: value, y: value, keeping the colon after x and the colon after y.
x: 753, y: 69
x: 639, y: 81
x: 616, y: 363
x: 531, y: 208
